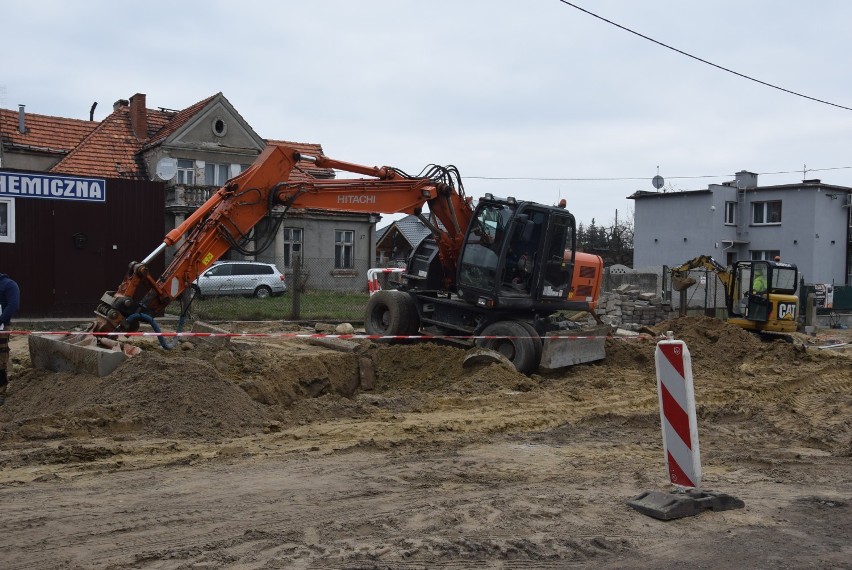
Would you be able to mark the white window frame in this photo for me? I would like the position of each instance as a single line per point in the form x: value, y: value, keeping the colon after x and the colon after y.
x: 185, y: 172
x: 293, y: 240
x: 763, y: 209
x: 221, y: 173
x: 344, y: 240
x: 730, y: 213
x: 764, y: 254
x: 7, y: 215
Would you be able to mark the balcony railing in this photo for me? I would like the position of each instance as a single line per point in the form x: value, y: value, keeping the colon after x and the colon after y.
x: 182, y: 196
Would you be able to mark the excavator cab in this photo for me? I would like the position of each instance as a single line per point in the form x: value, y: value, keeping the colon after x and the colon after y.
x: 520, y: 255
x: 762, y: 295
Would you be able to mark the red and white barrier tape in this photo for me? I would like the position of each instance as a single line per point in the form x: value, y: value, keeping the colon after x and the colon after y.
x: 294, y: 335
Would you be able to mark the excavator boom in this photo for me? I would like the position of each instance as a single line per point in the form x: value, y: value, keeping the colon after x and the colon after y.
x: 228, y: 217
x: 500, y: 273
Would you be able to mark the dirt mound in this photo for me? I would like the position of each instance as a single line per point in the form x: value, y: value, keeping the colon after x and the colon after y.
x: 155, y: 393
x: 203, y: 391
x: 431, y: 367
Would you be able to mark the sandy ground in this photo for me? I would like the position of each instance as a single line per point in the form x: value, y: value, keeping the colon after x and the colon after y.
x: 269, y: 454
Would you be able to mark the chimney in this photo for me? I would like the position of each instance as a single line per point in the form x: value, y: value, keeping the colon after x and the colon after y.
x: 746, y: 180
x: 119, y: 104
x: 139, y: 116
x: 22, y: 120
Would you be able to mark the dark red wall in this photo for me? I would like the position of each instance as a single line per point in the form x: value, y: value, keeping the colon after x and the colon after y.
x: 59, y: 277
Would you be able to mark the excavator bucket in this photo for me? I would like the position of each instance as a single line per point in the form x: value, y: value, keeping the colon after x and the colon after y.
x: 681, y: 282
x: 78, y: 353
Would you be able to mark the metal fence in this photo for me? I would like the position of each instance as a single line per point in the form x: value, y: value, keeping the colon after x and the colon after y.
x: 840, y: 301
x: 707, y: 294
x: 320, y: 291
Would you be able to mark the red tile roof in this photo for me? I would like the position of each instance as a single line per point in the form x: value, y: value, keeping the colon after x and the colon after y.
x: 306, y: 170
x: 50, y: 134
x: 110, y: 149
x: 175, y: 121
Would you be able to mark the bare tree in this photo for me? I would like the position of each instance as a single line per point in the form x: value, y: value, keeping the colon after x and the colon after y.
x: 614, y: 243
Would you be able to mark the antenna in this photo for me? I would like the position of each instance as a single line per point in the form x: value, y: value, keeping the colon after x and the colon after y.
x: 166, y: 168
x: 658, y: 181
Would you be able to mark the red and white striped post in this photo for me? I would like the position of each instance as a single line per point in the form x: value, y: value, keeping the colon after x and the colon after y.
x: 680, y: 441
x: 677, y: 413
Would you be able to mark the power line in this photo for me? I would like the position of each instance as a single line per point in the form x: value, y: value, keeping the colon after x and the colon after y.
x: 640, y: 178
x: 659, y: 43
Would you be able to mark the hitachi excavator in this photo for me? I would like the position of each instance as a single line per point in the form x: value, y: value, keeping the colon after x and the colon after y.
x: 759, y: 295
x: 499, y: 270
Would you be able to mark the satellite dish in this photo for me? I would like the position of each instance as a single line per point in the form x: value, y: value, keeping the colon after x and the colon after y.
x: 658, y: 181
x: 166, y: 168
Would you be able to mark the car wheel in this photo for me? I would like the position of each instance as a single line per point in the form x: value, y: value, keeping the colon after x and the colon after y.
x: 262, y: 292
x: 516, y: 344
x: 195, y: 293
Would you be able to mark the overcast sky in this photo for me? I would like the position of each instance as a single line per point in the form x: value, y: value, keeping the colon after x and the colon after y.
x: 519, y: 89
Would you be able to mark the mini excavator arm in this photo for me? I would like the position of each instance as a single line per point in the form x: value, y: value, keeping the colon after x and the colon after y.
x: 228, y: 217
x: 680, y: 274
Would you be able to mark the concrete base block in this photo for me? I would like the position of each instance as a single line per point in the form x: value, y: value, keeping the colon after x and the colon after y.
x: 76, y: 353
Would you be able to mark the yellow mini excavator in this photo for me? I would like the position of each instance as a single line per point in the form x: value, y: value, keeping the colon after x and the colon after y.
x: 759, y: 295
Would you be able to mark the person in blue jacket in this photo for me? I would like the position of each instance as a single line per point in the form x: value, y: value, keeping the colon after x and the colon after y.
x: 10, y: 300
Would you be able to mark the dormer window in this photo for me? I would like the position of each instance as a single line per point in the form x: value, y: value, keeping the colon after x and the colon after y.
x: 220, y: 127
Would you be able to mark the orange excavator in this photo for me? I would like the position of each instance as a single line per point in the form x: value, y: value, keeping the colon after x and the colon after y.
x: 502, y: 269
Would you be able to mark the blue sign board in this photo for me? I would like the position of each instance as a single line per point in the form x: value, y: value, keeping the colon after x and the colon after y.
x: 26, y: 185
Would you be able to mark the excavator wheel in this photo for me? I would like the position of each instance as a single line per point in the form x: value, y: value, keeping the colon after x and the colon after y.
x: 537, y: 341
x: 413, y: 316
x: 387, y: 313
x: 516, y: 344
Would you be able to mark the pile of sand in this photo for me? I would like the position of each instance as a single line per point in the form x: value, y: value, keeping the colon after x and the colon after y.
x: 210, y: 392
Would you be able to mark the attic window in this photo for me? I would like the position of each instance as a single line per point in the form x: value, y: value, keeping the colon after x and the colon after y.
x: 220, y: 127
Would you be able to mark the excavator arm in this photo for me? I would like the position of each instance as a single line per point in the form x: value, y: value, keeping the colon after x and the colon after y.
x: 680, y: 274
x: 228, y: 217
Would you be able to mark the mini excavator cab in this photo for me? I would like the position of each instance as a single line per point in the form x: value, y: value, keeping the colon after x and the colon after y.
x: 762, y: 295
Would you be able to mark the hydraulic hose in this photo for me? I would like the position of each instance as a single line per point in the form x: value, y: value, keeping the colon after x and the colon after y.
x: 150, y: 320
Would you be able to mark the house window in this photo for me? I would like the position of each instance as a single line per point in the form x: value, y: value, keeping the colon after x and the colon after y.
x: 344, y: 243
x: 765, y: 254
x: 7, y: 220
x: 292, y: 244
x: 216, y: 174
x: 185, y: 172
x: 766, y: 212
x: 730, y: 213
